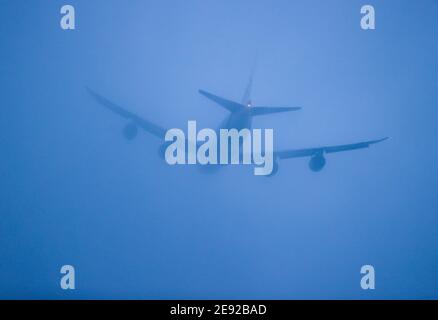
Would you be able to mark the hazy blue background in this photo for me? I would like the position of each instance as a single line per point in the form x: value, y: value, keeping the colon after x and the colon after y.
x: 74, y: 191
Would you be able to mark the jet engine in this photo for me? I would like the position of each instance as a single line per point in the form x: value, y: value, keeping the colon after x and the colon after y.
x: 317, y: 162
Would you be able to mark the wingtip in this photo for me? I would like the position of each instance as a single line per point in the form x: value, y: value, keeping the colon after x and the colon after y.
x: 95, y: 95
x: 380, y: 140
x: 291, y: 108
x: 90, y: 91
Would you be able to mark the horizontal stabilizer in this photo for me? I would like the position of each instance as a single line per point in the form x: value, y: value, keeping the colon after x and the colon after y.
x: 258, y: 111
x: 227, y: 104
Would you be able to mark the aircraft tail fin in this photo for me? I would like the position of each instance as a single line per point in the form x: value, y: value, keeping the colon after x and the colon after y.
x: 247, y: 94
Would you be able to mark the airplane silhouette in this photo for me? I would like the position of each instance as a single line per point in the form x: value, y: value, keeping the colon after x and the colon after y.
x: 240, y: 116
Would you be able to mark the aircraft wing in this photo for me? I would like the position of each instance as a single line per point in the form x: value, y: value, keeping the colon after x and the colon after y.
x: 140, y: 122
x: 227, y: 104
x: 257, y: 111
x: 309, y: 152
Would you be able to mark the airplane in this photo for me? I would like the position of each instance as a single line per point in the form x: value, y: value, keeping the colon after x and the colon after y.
x: 240, y: 116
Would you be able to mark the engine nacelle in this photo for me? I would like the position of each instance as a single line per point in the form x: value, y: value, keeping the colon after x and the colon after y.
x: 317, y: 163
x: 130, y: 131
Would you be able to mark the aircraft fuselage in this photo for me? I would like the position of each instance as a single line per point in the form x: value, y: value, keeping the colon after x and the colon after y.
x: 241, y: 119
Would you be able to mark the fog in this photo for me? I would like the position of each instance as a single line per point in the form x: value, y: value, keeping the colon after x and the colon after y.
x: 75, y: 191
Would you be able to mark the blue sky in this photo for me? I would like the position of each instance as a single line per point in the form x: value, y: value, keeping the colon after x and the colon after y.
x: 74, y: 191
